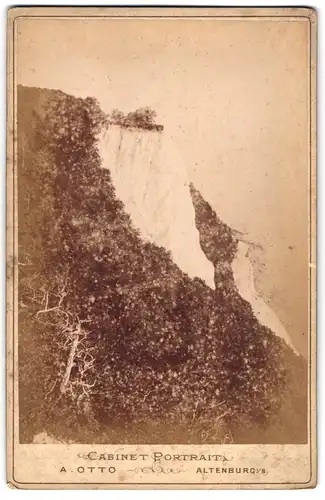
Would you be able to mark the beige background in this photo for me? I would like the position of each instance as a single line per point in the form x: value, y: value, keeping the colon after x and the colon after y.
x: 234, y: 96
x: 282, y: 463
x: 285, y: 462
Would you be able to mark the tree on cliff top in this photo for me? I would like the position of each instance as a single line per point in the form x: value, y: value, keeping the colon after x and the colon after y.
x: 142, y: 118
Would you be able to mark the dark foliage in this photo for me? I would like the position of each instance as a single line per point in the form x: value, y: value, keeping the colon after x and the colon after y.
x: 159, y: 346
x: 142, y: 118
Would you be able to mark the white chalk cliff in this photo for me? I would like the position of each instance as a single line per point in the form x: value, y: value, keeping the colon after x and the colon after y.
x: 244, y: 279
x: 151, y: 180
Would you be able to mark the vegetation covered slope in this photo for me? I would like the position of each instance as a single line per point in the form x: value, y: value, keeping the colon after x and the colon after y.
x: 114, y: 339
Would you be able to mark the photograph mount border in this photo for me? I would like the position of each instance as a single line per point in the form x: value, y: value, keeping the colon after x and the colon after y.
x: 224, y: 13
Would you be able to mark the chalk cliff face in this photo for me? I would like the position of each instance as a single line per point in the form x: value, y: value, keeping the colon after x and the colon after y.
x: 151, y: 180
x: 245, y: 283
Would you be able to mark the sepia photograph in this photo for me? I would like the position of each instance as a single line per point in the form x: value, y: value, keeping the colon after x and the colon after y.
x: 161, y: 208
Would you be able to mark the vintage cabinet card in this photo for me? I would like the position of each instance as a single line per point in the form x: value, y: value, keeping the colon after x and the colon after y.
x: 161, y: 248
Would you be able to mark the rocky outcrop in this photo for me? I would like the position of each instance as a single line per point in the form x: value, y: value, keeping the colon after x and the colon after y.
x: 229, y: 252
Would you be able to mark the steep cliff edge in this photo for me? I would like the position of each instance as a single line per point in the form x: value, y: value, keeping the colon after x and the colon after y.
x: 115, y: 338
x: 151, y: 181
x: 228, y: 250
